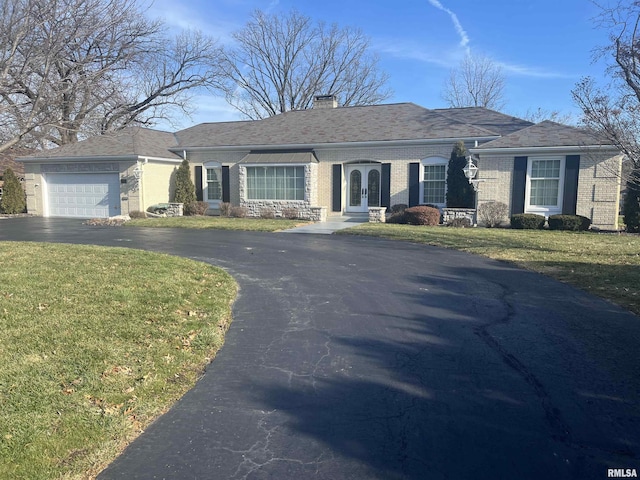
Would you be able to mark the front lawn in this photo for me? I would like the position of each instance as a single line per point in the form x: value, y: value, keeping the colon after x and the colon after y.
x: 218, y: 223
x: 94, y: 344
x: 607, y: 265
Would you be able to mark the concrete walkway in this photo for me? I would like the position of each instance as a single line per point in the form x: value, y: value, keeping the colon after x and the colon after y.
x: 332, y: 224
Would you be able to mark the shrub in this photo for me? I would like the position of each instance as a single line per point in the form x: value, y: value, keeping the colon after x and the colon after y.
x: 459, y: 222
x: 238, y: 212
x: 569, y: 222
x: 225, y: 209
x: 195, y: 208
x: 395, y: 214
x: 527, y: 221
x: 267, y: 213
x: 396, y: 218
x: 290, y: 213
x: 492, y: 214
x: 398, y: 208
x: 422, y: 215
x: 13, y: 198
x: 185, y: 190
x: 631, y: 205
x: 137, y: 214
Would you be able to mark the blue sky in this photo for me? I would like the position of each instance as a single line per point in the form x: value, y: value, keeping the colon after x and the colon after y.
x: 544, y: 46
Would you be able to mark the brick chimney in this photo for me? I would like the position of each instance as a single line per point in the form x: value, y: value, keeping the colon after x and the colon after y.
x: 325, y: 101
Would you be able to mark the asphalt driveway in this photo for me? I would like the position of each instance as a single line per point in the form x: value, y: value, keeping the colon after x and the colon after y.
x: 360, y: 358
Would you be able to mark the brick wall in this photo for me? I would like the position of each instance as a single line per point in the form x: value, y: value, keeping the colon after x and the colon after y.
x: 598, y: 191
x: 598, y: 185
x: 398, y: 157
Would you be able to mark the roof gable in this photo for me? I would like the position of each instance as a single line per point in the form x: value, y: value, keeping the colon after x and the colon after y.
x: 545, y: 134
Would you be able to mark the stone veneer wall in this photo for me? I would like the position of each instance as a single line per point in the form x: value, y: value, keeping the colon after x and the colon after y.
x: 175, y: 209
x: 377, y: 214
x: 450, y: 214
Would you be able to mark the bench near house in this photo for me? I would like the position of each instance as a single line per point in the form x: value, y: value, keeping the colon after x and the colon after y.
x: 333, y: 160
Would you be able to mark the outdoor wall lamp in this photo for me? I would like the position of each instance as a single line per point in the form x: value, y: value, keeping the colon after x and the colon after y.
x: 470, y: 171
x: 137, y: 172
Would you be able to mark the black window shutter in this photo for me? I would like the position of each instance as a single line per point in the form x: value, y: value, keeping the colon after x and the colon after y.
x: 336, y: 193
x: 414, y: 184
x: 226, y: 194
x: 519, y: 184
x: 385, y: 186
x: 199, y: 193
x: 570, y: 196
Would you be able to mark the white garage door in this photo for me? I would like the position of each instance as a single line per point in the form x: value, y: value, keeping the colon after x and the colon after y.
x: 85, y: 195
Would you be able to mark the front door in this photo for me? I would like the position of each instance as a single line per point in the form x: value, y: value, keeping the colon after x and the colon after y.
x: 363, y: 187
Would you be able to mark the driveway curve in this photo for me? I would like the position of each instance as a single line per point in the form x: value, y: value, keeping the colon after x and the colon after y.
x: 361, y: 358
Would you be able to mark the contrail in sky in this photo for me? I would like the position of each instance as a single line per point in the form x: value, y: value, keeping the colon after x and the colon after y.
x: 464, y: 38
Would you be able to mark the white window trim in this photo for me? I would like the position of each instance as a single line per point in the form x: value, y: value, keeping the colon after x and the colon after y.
x: 433, y: 161
x: 546, y: 210
x: 205, y: 184
x: 246, y: 186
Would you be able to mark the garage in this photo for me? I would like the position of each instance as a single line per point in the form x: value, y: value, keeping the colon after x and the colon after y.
x: 83, y: 195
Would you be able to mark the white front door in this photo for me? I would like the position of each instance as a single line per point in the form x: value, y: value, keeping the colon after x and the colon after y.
x: 363, y: 187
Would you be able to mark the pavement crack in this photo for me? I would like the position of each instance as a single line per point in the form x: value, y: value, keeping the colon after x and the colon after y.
x: 559, y: 426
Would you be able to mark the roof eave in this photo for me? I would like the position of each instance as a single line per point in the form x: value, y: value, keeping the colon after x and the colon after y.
x: 550, y: 149
x: 316, y: 146
x: 94, y: 159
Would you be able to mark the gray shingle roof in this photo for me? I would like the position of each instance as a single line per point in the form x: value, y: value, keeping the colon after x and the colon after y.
x: 280, y: 157
x: 133, y: 141
x: 483, y: 117
x: 310, y: 128
x: 544, y: 134
x: 401, y: 121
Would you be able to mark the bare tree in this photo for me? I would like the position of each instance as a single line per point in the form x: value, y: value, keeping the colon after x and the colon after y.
x: 280, y: 63
x: 72, y: 68
x: 540, y: 114
x: 612, y: 112
x: 477, y: 82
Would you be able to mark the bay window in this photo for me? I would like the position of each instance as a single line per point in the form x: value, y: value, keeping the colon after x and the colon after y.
x: 275, y: 183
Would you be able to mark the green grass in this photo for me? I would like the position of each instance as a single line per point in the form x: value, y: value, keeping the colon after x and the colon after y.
x: 218, y: 223
x: 94, y: 344
x: 607, y: 265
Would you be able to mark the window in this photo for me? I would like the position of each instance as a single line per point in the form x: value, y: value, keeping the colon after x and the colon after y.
x: 434, y: 181
x: 214, y: 185
x: 545, y: 184
x: 275, y: 183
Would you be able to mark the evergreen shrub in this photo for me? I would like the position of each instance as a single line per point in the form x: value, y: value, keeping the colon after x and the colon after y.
x: 13, y: 197
x: 569, y: 222
x: 527, y: 221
